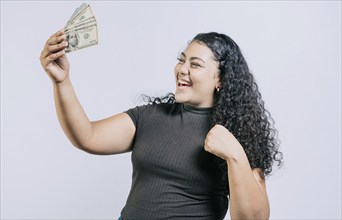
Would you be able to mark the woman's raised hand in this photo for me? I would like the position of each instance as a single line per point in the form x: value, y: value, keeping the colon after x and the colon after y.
x: 53, y: 58
x: 222, y: 143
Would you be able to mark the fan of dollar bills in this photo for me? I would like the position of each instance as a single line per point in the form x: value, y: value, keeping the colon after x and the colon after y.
x: 81, y: 29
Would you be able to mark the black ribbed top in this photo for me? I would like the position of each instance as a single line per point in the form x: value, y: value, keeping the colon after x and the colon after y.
x: 173, y: 176
x: 196, y: 110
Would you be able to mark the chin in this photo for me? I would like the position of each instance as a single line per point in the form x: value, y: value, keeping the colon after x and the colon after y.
x: 180, y: 98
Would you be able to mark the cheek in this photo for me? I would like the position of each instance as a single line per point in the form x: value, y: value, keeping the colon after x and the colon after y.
x: 205, y: 81
x: 176, y: 70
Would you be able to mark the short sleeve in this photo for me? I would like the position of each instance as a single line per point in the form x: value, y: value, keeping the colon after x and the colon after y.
x: 138, y: 113
x: 134, y: 115
x: 147, y: 113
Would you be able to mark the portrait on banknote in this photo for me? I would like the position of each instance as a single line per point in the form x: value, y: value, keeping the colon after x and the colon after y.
x: 72, y: 39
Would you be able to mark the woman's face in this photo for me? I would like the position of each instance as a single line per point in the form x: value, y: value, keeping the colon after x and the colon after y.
x: 197, y: 76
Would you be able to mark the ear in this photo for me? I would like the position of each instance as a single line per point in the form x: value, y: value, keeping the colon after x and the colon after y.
x: 218, y: 85
x: 218, y: 78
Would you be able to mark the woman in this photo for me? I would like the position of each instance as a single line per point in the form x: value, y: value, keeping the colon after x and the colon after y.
x: 213, y: 138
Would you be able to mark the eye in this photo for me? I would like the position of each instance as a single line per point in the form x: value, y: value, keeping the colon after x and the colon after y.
x: 180, y: 60
x: 195, y: 65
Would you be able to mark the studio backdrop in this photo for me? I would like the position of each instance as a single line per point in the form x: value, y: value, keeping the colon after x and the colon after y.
x: 293, y: 48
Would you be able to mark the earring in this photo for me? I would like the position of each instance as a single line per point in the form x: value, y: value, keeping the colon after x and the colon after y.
x: 217, y: 89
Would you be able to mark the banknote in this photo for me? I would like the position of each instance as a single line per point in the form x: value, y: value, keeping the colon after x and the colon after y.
x: 79, y: 9
x: 85, y: 14
x: 82, y: 37
x: 81, y: 29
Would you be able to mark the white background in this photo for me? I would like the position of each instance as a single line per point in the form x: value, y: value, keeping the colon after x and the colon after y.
x: 293, y: 49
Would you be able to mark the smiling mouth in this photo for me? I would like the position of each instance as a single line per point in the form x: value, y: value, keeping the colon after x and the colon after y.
x: 184, y: 84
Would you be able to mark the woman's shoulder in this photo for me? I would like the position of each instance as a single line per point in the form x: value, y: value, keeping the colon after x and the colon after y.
x: 159, y: 108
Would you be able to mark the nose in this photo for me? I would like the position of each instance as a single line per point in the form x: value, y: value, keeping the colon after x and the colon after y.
x: 183, y: 70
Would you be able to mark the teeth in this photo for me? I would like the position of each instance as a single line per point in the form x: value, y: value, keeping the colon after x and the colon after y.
x: 183, y: 84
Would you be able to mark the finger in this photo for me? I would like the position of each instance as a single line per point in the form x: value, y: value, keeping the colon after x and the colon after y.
x: 58, y: 33
x: 57, y: 47
x: 55, y: 56
x: 54, y: 45
x: 52, y: 57
x: 207, y: 148
x: 206, y: 144
x: 55, y: 39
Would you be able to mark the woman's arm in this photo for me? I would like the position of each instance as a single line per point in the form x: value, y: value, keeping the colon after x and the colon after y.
x: 109, y: 136
x: 248, y: 196
x: 112, y: 135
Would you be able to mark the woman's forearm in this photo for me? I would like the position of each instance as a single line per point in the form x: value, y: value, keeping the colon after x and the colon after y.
x: 248, y: 199
x: 71, y: 115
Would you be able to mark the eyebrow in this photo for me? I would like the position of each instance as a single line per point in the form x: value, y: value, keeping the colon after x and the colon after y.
x: 192, y: 58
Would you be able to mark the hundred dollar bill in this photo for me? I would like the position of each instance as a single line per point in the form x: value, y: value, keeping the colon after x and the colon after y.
x: 81, y: 38
x: 81, y: 29
x: 80, y: 17
x: 84, y: 23
x: 78, y: 10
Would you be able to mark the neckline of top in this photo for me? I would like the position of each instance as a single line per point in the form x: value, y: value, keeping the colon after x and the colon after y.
x: 197, y: 110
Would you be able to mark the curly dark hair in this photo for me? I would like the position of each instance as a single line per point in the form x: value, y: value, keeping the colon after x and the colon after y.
x: 238, y: 105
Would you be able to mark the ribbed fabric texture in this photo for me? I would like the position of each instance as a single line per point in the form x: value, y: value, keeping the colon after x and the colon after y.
x: 173, y: 176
